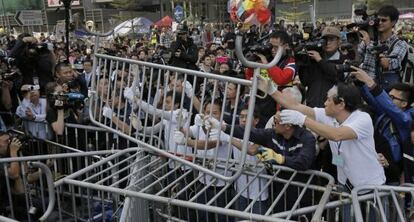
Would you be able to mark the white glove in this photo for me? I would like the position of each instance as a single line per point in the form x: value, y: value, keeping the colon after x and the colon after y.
x: 107, y: 112
x: 128, y: 94
x: 211, y: 123
x: 181, y: 116
x: 188, y: 89
x: 292, y: 117
x: 90, y: 93
x: 179, y: 137
x: 199, y: 120
x: 216, y: 134
x: 266, y: 85
x: 135, y: 122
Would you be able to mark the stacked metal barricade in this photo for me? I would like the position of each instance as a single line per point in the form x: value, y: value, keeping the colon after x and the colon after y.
x: 103, y: 179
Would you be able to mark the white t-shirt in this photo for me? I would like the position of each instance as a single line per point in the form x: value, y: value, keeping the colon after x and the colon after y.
x: 360, y: 164
x: 223, y: 152
x: 169, y: 129
x: 257, y: 185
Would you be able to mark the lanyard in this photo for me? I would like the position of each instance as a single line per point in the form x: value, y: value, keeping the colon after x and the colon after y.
x: 339, y: 147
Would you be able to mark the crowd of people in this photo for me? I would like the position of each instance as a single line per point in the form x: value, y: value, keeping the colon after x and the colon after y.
x: 334, y: 102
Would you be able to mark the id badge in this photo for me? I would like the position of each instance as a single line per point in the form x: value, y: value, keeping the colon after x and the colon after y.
x: 337, y: 160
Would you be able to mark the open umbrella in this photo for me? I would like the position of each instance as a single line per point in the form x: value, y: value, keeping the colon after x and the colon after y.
x: 409, y: 15
x: 138, y: 25
x: 164, y: 22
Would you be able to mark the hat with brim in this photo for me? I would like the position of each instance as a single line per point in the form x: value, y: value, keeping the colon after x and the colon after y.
x: 331, y: 31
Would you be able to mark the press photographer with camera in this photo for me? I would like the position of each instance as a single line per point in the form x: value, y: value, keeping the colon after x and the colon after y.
x: 317, y: 66
x: 383, y: 53
x: 282, y: 74
x: 393, y: 114
x: 184, y: 51
x: 32, y: 110
x: 9, y: 147
x: 35, y: 60
x: 64, y: 106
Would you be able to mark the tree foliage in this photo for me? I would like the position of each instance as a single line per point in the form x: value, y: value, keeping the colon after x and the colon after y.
x: 125, y: 4
x: 292, y: 14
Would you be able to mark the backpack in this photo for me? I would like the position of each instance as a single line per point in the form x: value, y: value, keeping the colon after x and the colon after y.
x: 407, y: 71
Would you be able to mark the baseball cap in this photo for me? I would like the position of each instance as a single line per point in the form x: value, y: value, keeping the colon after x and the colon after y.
x: 331, y: 31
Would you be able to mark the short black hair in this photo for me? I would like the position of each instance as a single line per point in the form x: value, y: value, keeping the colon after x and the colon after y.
x: 61, y: 65
x: 216, y: 101
x: 256, y: 112
x: 177, y: 98
x: 389, y: 11
x: 407, y: 91
x: 282, y: 35
x: 350, y: 95
x: 204, y: 57
x: 87, y: 60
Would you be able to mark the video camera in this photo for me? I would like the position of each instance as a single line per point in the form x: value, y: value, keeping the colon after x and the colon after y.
x: 65, y: 101
x: 258, y: 48
x: 368, y: 23
x: 302, y: 57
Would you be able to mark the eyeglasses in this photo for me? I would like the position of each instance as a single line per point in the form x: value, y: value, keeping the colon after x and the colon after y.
x: 396, y: 98
x: 383, y: 20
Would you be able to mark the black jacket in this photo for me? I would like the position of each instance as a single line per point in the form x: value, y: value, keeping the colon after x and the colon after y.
x: 188, y: 56
x: 299, y: 151
x: 319, y: 77
x: 40, y: 66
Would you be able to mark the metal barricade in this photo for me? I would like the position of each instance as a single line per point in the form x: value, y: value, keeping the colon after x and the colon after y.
x: 131, y: 97
x: 28, y: 198
x: 149, y: 180
x: 384, y: 203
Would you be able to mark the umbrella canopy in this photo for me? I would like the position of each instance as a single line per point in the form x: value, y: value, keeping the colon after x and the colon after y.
x: 409, y: 15
x: 139, y: 25
x: 164, y: 22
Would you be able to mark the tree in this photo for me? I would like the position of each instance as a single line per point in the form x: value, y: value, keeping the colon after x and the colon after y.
x: 372, y: 5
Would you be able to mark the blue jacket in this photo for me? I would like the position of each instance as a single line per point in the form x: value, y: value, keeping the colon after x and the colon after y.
x: 392, y: 122
x: 299, y: 150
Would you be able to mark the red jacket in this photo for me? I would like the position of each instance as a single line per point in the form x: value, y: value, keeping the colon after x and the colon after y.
x: 281, y: 76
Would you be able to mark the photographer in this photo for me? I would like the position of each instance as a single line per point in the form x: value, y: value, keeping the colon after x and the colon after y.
x: 33, y: 110
x: 281, y: 74
x: 9, y: 147
x: 383, y: 59
x: 184, y: 51
x: 64, y: 106
x: 393, y: 114
x: 34, y: 60
x: 319, y: 74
